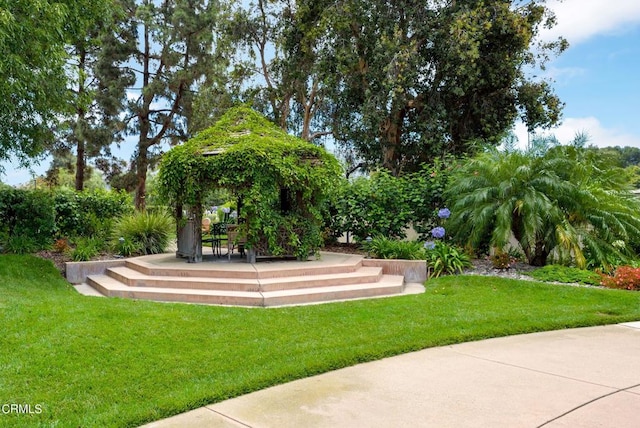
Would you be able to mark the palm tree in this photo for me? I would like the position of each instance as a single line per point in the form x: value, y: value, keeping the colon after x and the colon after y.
x: 563, y: 201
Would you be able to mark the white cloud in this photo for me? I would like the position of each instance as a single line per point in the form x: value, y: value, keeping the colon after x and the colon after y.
x: 598, y: 135
x: 579, y: 20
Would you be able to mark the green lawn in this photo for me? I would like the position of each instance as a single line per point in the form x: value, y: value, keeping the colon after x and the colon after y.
x: 108, y: 362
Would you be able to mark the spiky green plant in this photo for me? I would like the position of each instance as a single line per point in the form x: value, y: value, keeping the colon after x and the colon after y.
x: 145, y: 233
x: 567, y: 202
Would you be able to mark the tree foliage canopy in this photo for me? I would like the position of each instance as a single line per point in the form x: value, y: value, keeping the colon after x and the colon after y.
x: 33, y: 82
x: 403, y: 82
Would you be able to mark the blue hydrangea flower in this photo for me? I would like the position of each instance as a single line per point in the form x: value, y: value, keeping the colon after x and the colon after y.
x: 437, y: 232
x: 226, y: 210
x: 233, y: 214
x: 444, y: 213
x: 214, y: 208
x: 429, y: 245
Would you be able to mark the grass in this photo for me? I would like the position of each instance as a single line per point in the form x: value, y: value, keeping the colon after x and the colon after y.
x: 110, y: 362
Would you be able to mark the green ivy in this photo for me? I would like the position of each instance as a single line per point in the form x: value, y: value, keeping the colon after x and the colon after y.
x: 254, y: 159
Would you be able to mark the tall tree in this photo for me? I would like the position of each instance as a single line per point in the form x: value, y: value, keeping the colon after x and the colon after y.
x: 175, y: 51
x: 415, y: 79
x: 279, y: 58
x: 97, y: 50
x: 33, y: 35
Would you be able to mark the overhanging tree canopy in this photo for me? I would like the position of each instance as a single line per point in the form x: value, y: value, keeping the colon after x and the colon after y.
x: 280, y: 179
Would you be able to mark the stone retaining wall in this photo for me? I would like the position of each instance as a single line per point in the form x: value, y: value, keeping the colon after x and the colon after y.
x: 413, y: 270
x: 77, y: 272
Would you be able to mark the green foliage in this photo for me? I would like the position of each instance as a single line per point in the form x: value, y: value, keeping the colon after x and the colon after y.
x: 445, y: 258
x: 144, y: 233
x: 385, y: 248
x: 86, y: 249
x: 21, y: 244
x: 410, y: 80
x: 256, y: 162
x: 89, y: 213
x: 26, y: 216
x: 385, y: 205
x: 373, y: 206
x: 33, y: 73
x: 565, y: 274
x: 566, y: 203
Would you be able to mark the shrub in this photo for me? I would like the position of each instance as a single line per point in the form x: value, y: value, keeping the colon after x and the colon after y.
x: 89, y: 213
x: 385, y: 248
x: 372, y: 206
x: 445, y: 258
x: 21, y: 244
x: 86, y: 249
x: 502, y: 260
x: 625, y: 277
x: 144, y: 232
x: 565, y: 274
x: 568, y: 201
x: 26, y: 216
x: 385, y: 205
x: 61, y: 245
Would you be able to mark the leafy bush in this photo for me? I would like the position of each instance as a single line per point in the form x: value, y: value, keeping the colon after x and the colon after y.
x: 27, y: 217
x: 625, y: 277
x: 385, y: 205
x: 21, y: 244
x: 61, y: 245
x: 385, y: 248
x: 445, y: 258
x: 89, y: 213
x: 86, y: 249
x: 502, y: 260
x: 144, y: 232
x: 373, y: 206
x: 565, y: 274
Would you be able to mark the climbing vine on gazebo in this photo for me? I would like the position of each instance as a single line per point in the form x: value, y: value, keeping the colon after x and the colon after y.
x: 279, y: 180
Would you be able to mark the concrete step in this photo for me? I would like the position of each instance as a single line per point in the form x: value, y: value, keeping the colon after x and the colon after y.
x: 111, y: 287
x: 388, y: 285
x: 363, y: 275
x: 262, y: 270
x: 134, y: 278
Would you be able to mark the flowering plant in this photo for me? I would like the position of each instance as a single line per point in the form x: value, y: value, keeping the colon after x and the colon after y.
x: 625, y: 277
x: 438, y: 232
x: 444, y: 213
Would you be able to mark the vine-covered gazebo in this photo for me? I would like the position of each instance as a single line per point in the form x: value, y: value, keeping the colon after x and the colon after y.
x: 279, y: 181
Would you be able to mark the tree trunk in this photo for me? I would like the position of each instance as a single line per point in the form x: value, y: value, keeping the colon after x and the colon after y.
x: 142, y: 165
x: 391, y: 132
x: 80, y: 164
x: 79, y: 128
x: 540, y: 255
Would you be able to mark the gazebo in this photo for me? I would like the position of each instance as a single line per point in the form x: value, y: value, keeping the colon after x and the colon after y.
x: 280, y: 182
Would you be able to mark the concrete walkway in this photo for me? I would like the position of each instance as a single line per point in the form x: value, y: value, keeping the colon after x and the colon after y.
x: 587, y: 377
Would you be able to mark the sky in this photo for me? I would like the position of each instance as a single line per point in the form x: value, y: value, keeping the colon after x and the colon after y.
x: 597, y: 77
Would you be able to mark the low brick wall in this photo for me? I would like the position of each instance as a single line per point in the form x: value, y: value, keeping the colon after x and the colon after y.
x: 77, y: 272
x: 413, y: 270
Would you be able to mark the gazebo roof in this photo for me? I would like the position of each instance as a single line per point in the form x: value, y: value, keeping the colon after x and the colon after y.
x: 243, y: 149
